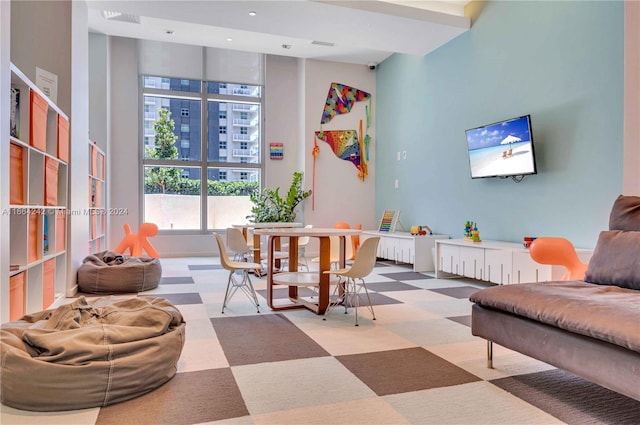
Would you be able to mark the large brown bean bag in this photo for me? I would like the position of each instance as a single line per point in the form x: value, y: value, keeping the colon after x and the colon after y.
x: 89, y: 354
x: 111, y: 273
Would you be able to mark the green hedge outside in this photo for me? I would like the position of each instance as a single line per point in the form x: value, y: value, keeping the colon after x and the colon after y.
x: 214, y: 187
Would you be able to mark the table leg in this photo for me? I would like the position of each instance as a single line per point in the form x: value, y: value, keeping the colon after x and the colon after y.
x: 325, y: 279
x: 293, y: 290
x: 256, y: 253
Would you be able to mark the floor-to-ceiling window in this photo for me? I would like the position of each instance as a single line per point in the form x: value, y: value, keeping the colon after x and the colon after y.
x: 202, y: 150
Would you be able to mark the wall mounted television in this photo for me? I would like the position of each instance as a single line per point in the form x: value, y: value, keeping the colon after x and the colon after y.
x: 502, y: 149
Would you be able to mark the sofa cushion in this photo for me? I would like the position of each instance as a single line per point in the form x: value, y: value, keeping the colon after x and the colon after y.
x: 625, y: 213
x: 606, y: 313
x: 616, y: 260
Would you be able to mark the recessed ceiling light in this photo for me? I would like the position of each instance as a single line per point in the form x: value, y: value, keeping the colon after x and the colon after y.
x: 252, y: 13
x: 229, y: 39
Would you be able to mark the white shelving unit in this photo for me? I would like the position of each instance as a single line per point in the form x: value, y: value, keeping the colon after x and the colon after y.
x: 494, y: 261
x: 403, y: 247
x: 97, y: 199
x: 38, y: 204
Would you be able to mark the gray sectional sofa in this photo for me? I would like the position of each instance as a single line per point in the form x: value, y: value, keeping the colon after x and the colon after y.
x: 590, y: 327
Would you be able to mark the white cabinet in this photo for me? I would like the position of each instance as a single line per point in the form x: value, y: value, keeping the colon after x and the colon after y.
x: 448, y: 257
x: 526, y: 270
x: 471, y: 262
x: 404, y: 247
x: 494, y: 261
x: 498, y: 266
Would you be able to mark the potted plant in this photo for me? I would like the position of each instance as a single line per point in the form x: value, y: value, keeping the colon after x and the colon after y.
x: 270, y: 207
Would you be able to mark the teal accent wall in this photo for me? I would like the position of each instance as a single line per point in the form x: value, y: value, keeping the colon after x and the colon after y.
x: 562, y: 63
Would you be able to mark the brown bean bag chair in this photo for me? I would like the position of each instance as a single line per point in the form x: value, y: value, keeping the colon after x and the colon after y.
x: 89, y: 353
x: 110, y: 273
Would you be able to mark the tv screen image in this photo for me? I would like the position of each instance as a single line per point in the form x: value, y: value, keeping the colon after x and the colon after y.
x: 502, y: 149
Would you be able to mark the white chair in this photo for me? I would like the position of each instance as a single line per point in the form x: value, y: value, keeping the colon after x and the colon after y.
x: 233, y: 284
x: 238, y: 245
x: 348, y: 278
x: 303, y: 241
x: 242, y: 251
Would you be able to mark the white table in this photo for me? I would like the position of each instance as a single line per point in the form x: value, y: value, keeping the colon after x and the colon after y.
x: 256, y: 238
x: 293, y: 279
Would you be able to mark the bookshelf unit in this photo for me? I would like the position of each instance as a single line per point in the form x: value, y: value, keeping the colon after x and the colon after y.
x: 38, y: 204
x: 97, y: 199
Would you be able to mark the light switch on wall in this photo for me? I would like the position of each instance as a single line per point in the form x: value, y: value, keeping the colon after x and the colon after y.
x: 398, y: 155
x: 404, y: 154
x: 396, y: 184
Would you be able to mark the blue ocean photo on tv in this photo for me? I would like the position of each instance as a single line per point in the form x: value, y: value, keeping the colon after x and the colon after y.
x: 502, y: 149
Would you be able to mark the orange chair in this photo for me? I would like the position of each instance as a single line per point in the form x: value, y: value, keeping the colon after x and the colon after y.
x: 558, y: 252
x: 355, y: 240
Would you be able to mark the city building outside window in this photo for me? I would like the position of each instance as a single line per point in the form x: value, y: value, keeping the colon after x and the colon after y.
x: 188, y: 185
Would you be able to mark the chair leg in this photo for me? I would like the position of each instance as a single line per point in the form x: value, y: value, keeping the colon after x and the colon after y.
x: 245, y: 285
x: 252, y: 294
x: 370, y: 306
x: 227, y: 293
x: 333, y: 294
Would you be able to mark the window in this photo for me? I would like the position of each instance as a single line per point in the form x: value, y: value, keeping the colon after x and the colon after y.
x: 185, y: 147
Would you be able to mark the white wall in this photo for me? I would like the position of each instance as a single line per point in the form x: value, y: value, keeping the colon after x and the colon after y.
x: 79, y: 156
x: 339, y: 194
x: 99, y: 90
x: 123, y: 145
x: 282, y: 122
x: 295, y: 95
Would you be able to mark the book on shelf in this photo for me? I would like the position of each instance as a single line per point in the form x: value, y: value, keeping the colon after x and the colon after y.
x: 14, y: 117
x: 45, y: 235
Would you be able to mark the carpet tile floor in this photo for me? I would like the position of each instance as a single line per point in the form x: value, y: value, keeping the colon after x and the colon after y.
x: 417, y: 363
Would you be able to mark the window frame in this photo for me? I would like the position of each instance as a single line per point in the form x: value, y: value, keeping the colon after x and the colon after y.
x: 204, y: 164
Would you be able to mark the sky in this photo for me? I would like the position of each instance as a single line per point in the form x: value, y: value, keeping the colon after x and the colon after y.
x: 492, y: 134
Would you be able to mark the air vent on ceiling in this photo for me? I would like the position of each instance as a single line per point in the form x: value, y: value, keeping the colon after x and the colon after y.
x: 119, y: 16
x: 323, y: 43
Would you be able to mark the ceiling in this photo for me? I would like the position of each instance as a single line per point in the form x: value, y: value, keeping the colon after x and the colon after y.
x: 356, y: 31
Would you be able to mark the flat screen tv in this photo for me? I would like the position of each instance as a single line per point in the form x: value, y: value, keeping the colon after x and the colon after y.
x: 502, y: 149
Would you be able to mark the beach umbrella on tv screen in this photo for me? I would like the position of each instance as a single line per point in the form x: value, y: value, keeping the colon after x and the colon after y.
x: 510, y: 139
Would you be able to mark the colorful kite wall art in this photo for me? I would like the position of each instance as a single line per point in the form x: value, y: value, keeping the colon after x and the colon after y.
x: 340, y: 100
x: 348, y: 145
